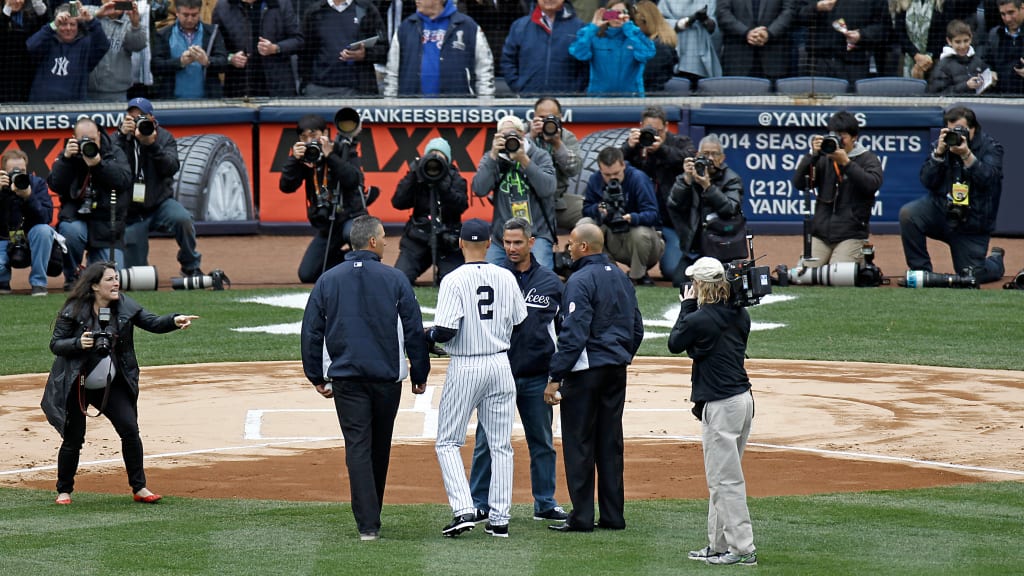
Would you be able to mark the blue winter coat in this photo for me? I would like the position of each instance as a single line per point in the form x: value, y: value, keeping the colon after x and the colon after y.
x: 616, y: 59
x: 535, y: 61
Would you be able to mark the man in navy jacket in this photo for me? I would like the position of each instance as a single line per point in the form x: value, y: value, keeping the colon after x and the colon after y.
x: 361, y: 321
x: 532, y: 345
x: 535, y: 58
x: 601, y: 332
x: 25, y: 208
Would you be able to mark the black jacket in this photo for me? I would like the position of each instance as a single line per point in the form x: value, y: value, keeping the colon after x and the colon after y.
x: 71, y: 360
x: 158, y: 163
x: 1004, y: 54
x: 269, y: 75
x: 533, y: 340
x: 662, y: 166
x: 165, y: 66
x: 985, y: 178
x: 13, y: 35
x: 111, y: 175
x: 715, y: 338
x: 450, y: 193
x: 370, y: 24
x: 844, y: 203
x: 690, y: 206
x: 18, y: 214
x: 342, y: 171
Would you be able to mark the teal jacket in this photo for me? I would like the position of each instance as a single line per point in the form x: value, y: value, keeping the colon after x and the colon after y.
x: 616, y: 59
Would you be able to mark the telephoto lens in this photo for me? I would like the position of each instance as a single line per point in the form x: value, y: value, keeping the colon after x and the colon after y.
x: 138, y: 278
x: 89, y: 148
x: 196, y: 282
x: 19, y: 179
x: 550, y: 127
x: 145, y: 125
x: 838, y: 274
x: 512, y: 143
x: 925, y: 279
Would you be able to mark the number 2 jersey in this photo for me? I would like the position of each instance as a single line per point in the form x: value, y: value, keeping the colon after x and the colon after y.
x: 482, y: 302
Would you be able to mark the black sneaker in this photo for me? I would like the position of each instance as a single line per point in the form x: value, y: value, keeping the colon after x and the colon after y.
x: 459, y: 524
x: 497, y: 531
x: 480, y: 516
x: 5, y: 287
x: 556, y: 513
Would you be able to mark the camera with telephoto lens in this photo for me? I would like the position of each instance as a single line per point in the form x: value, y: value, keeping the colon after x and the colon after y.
x: 314, y: 152
x: 614, y: 203
x: 145, y: 125
x: 830, y: 143
x: 512, y: 143
x: 925, y: 279
x: 432, y: 168
x: 956, y: 136
x: 868, y: 274
x: 216, y: 280
x: 700, y: 165
x: 647, y: 137
x: 550, y: 127
x: 103, y: 340
x: 1017, y: 283
x: 88, y: 148
x: 563, y: 262
x: 20, y: 180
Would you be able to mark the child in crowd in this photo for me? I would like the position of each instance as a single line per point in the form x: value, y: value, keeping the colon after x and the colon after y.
x: 960, y: 69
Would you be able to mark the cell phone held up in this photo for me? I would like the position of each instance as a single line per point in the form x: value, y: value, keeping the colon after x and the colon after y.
x: 73, y: 9
x: 611, y: 15
x: 124, y: 6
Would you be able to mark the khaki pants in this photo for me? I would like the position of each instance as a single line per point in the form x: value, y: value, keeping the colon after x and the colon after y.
x: 640, y: 248
x: 566, y: 218
x: 845, y: 251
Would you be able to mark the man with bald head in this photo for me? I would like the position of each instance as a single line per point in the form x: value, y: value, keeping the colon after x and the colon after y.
x: 601, y: 332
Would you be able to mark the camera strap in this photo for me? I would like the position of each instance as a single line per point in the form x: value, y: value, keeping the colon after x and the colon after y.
x: 83, y: 402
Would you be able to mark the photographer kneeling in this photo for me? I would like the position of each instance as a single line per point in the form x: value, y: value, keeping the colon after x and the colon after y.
x: 620, y: 199
x: 436, y: 192
x: 26, y: 209
x: 963, y: 175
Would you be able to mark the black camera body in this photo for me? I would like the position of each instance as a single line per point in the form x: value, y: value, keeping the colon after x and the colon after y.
x: 512, y: 143
x: 88, y: 148
x: 614, y: 202
x: 550, y: 127
x: 314, y: 153
x: 145, y: 124
x: 432, y: 168
x: 830, y: 143
x: 563, y: 262
x: 956, y: 135
x: 647, y: 137
x: 103, y: 340
x: 20, y: 180
x: 700, y: 165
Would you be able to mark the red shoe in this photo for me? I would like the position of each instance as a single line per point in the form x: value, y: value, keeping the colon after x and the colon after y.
x: 63, y: 498
x: 151, y: 499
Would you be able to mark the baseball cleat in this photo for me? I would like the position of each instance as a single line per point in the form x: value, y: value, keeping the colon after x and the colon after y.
x: 459, y: 525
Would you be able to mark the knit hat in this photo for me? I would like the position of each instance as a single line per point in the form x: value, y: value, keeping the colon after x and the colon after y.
x: 706, y: 269
x: 439, y: 145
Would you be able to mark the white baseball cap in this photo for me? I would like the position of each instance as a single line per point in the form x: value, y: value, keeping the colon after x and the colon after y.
x: 706, y: 269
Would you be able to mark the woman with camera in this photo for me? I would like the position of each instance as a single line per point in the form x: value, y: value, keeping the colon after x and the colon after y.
x: 93, y: 340
x: 714, y: 332
x: 617, y: 51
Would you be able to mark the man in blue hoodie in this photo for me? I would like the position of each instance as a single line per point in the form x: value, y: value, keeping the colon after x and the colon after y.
x: 68, y: 50
x: 439, y: 51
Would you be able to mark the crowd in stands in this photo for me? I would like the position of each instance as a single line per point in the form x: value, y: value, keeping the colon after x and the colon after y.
x: 192, y: 49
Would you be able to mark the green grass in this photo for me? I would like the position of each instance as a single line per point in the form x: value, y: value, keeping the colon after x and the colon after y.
x: 959, y: 328
x: 954, y: 530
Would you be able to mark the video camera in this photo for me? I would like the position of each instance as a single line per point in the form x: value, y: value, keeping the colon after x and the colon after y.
x: 550, y: 127
x: 103, y: 340
x: 614, y: 202
x: 647, y: 137
x: 830, y: 143
x: 747, y: 283
x: 432, y: 168
x: 217, y: 280
x: 956, y: 136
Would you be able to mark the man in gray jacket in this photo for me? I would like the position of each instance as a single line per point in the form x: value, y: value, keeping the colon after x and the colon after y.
x: 112, y: 77
x: 519, y: 179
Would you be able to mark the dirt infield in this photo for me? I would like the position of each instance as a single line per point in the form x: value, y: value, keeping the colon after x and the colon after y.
x: 257, y: 430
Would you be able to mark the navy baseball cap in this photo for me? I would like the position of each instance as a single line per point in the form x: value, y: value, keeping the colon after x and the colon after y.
x: 142, y: 104
x: 475, y: 230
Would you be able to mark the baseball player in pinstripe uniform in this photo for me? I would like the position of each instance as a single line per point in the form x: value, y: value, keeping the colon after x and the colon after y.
x: 477, y: 307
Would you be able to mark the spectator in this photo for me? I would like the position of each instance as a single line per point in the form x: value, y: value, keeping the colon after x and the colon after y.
x: 964, y: 178
x: 1006, y: 48
x: 694, y: 23
x: 659, y: 69
x: 564, y: 149
x: 843, y: 35
x: 621, y: 199
x: 67, y: 51
x: 846, y: 181
x: 260, y: 38
x: 495, y: 18
x: 18, y: 21
x: 439, y: 51
x: 755, y: 37
x: 959, y: 68
x: 153, y: 158
x: 601, y: 331
x: 616, y: 50
x: 189, y: 55
x: 334, y: 60
x: 437, y: 195
x: 520, y: 181
x: 393, y: 12
x: 662, y: 161
x: 25, y: 214
x: 112, y: 77
x: 920, y: 28
x: 535, y: 58
x: 93, y: 181
x: 698, y: 198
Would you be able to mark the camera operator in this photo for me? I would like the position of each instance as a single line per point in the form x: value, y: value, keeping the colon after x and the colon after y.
x: 660, y: 154
x: 714, y: 333
x: 707, y: 189
x: 963, y: 175
x: 87, y: 176
x: 846, y: 177
x: 332, y: 176
x: 437, y: 194
x: 25, y: 213
x: 548, y: 132
x: 520, y: 179
x: 620, y: 199
x: 153, y: 158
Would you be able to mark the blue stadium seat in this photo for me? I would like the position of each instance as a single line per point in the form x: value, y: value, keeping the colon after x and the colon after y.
x: 891, y: 86
x: 677, y: 86
x: 811, y: 85
x: 733, y: 86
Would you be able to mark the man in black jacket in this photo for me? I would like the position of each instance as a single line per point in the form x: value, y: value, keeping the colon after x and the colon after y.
x: 964, y: 181
x: 260, y: 38
x: 93, y: 179
x: 338, y: 55
x: 25, y: 213
x: 436, y: 192
x: 361, y: 322
x: 330, y: 172
x: 846, y: 176
x: 532, y: 345
x: 153, y: 158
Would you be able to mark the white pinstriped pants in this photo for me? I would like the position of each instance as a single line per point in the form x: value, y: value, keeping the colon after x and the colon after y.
x: 486, y: 384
